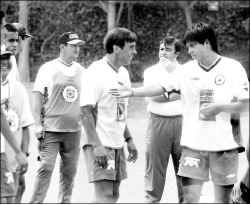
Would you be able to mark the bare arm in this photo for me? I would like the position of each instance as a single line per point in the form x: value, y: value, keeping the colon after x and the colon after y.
x: 159, y: 99
x: 234, y: 107
x: 133, y: 153
x: 88, y: 122
x: 144, y: 91
x: 26, y: 140
x: 37, y: 107
x: 89, y: 125
x: 20, y: 157
x: 7, y: 133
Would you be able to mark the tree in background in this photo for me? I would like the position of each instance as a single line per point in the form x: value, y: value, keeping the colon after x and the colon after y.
x: 109, y: 7
x: 150, y: 20
x: 187, y: 7
x: 23, y: 59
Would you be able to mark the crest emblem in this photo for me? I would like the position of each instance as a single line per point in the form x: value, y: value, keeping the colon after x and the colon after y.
x: 219, y: 80
x: 70, y: 93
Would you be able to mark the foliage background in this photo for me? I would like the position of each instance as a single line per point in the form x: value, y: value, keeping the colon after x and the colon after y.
x: 150, y: 21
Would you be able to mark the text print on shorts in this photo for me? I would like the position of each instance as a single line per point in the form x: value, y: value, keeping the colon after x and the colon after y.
x: 10, y: 178
x: 191, y: 162
x: 111, y: 164
x: 70, y: 93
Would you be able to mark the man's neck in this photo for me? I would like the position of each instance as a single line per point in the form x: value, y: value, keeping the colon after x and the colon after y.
x: 113, y: 61
x: 170, y: 66
x: 4, y: 80
x: 65, y: 60
x: 209, y: 59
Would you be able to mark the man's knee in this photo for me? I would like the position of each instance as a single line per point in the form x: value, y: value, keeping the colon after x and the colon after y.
x: 191, y: 189
x: 46, y: 166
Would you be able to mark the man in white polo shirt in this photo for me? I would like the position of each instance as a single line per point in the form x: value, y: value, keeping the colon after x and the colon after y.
x: 104, y: 117
x: 57, y: 118
x: 164, y: 125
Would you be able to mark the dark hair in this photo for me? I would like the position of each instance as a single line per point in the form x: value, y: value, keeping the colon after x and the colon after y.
x: 199, y: 33
x: 10, y: 27
x: 169, y: 40
x: 118, y: 36
x: 2, y: 15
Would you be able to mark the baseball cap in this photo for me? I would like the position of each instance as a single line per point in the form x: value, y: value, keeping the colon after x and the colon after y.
x: 21, y: 30
x: 70, y: 38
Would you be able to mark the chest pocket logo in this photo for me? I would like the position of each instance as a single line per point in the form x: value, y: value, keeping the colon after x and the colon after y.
x: 70, y: 93
x: 219, y: 80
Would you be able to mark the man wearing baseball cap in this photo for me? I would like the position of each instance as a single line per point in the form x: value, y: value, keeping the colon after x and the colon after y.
x: 22, y: 31
x: 57, y: 118
x: 23, y: 37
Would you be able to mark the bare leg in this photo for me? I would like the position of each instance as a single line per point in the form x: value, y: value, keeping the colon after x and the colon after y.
x: 20, y: 189
x: 222, y: 194
x: 7, y: 200
x: 106, y: 191
x: 192, y: 190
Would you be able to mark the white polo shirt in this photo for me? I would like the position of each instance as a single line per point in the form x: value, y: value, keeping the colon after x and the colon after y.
x: 110, y: 113
x: 172, y: 106
x: 224, y: 81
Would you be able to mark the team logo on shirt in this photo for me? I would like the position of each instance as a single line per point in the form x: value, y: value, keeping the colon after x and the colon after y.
x: 219, y: 80
x: 70, y: 93
x: 12, y: 117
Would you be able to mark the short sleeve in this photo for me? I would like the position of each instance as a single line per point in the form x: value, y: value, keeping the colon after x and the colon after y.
x: 240, y: 83
x: 91, y: 88
x: 27, y: 118
x: 42, y: 79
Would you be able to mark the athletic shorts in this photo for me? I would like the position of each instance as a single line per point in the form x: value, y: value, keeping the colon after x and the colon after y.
x: 7, y: 180
x: 222, y: 165
x: 116, y: 170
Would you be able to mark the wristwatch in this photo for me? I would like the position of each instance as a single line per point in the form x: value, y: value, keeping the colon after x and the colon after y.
x: 27, y: 154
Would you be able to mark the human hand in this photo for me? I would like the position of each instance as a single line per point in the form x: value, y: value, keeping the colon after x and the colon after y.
x: 22, y: 163
x: 133, y: 153
x: 101, y: 156
x: 236, y: 193
x: 122, y: 92
x: 39, y: 129
x: 210, y: 109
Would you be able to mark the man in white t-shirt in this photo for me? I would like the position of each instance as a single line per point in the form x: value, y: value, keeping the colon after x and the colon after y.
x: 57, y: 118
x: 164, y: 125
x: 8, y: 190
x: 104, y: 117
x: 212, y: 89
x: 14, y: 76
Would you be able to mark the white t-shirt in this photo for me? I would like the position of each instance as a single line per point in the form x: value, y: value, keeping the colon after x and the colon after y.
x: 225, y: 81
x: 14, y: 73
x: 18, y: 113
x: 172, y: 106
x: 110, y: 112
x: 62, y: 100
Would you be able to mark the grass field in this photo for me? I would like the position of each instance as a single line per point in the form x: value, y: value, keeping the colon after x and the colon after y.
x: 131, y: 190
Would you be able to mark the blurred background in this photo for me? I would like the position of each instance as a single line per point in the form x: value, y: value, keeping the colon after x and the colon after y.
x: 150, y: 20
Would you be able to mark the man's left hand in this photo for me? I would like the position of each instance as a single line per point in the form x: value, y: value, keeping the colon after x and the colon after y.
x: 133, y: 153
